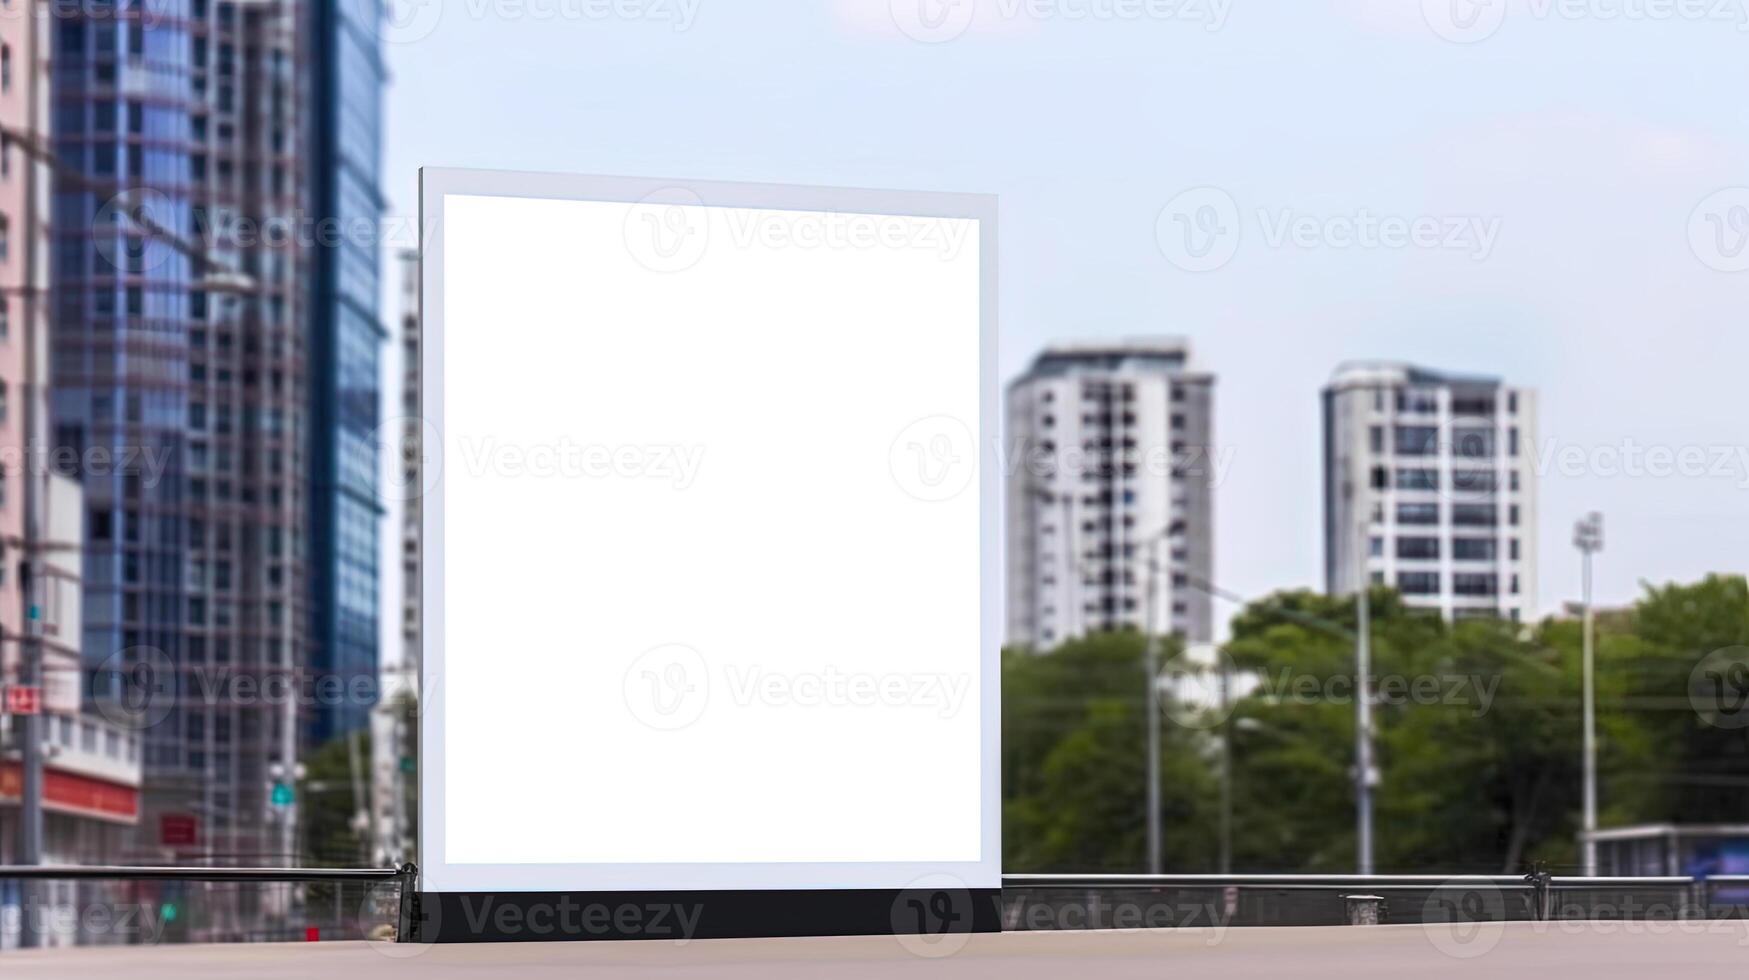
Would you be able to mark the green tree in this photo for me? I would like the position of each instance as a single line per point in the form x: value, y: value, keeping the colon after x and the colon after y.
x: 1073, y: 763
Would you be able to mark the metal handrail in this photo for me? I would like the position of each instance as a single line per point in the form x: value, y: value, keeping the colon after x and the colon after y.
x: 407, y: 916
x: 94, y: 872
x: 1259, y: 881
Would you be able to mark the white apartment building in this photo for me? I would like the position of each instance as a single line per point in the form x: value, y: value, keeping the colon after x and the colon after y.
x: 1429, y: 485
x: 1109, y: 462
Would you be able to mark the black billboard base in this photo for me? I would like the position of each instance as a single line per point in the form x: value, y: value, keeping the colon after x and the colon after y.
x: 682, y: 916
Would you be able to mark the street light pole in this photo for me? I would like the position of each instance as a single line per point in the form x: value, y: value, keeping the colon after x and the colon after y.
x: 1588, y: 538
x: 1152, y: 707
x: 1363, y: 764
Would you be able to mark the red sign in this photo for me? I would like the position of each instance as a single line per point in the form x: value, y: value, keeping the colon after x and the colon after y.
x: 178, y: 830
x: 24, y: 700
x: 66, y: 792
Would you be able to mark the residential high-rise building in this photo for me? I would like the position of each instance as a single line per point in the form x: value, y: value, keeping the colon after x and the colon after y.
x: 1429, y: 487
x: 1110, y: 468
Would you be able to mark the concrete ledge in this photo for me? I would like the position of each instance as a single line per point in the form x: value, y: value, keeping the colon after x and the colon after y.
x: 1511, y: 950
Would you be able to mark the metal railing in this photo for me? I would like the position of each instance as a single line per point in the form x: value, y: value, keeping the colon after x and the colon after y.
x: 1106, y: 901
x: 405, y: 877
x: 1033, y: 902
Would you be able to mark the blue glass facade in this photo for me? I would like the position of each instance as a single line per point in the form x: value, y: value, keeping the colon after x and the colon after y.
x: 347, y: 335
x: 188, y: 114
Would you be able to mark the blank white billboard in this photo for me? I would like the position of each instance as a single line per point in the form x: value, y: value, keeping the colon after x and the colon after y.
x: 710, y: 513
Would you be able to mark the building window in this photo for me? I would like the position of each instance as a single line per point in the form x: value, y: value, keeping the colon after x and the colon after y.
x: 1376, y: 438
x: 1417, y: 479
x: 1475, y: 584
x: 5, y: 317
x: 1471, y: 443
x: 1418, y: 583
x: 1474, y: 515
x: 1474, y: 481
x: 1417, y: 440
x: 1377, y: 547
x: 5, y: 67
x: 5, y: 238
x: 1514, y: 549
x: 1473, y: 549
x: 1418, y: 514
x: 1422, y: 402
x: 1418, y: 549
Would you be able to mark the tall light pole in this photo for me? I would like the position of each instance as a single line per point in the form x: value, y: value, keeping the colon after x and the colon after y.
x: 1588, y: 538
x: 1365, y: 773
x: 1153, y: 707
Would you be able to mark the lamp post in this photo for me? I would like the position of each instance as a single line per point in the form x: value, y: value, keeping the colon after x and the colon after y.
x: 1365, y: 772
x: 1152, y: 666
x: 1588, y: 538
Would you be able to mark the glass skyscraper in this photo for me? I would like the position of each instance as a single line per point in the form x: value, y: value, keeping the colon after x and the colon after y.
x: 246, y: 550
x: 346, y: 335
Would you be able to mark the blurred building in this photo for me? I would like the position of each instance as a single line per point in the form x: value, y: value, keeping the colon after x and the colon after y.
x: 91, y: 761
x: 214, y: 260
x: 393, y: 744
x: 1429, y: 487
x: 1110, y: 458
x: 344, y: 74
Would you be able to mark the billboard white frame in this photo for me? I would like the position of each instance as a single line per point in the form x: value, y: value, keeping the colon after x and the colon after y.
x: 441, y: 875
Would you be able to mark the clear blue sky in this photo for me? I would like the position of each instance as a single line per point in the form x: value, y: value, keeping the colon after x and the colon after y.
x: 1584, y: 142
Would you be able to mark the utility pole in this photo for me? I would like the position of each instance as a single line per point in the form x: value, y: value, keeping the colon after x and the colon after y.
x: 1365, y: 773
x: 32, y: 486
x: 1152, y: 707
x: 1226, y: 766
x: 1588, y: 538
